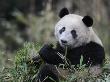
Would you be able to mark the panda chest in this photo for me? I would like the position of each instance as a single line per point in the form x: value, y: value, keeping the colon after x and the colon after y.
x: 74, y: 55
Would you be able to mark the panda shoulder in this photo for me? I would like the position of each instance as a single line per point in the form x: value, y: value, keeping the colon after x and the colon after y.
x: 95, y: 38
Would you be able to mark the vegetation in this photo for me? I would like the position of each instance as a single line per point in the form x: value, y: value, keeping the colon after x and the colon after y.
x: 23, y: 71
x: 25, y: 25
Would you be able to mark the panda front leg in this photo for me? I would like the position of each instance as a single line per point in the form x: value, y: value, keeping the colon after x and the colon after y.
x: 47, y: 73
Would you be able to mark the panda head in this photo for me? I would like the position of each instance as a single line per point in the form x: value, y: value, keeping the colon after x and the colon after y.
x: 73, y: 30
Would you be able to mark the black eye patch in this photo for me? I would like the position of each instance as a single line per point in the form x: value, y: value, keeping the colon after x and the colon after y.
x: 62, y: 30
x: 73, y: 32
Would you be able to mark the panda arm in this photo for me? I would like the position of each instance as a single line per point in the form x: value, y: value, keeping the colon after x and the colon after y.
x: 50, y: 55
x: 94, y: 56
x: 95, y: 53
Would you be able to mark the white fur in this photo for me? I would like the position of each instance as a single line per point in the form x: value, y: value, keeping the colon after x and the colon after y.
x: 74, y: 22
x: 95, y: 38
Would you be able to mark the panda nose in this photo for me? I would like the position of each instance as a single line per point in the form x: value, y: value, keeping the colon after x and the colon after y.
x: 63, y: 41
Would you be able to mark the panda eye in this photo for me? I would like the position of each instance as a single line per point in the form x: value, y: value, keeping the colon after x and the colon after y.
x: 62, y: 30
x: 73, y: 32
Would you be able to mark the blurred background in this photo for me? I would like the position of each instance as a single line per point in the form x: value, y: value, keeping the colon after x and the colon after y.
x: 34, y: 20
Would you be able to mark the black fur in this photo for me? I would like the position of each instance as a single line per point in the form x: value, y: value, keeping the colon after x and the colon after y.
x: 62, y: 30
x: 74, y: 34
x: 47, y: 73
x: 49, y: 55
x: 92, y: 53
x: 88, y: 21
x: 63, y: 12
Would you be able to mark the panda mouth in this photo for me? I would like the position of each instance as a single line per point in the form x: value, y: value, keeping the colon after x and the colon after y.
x: 65, y: 45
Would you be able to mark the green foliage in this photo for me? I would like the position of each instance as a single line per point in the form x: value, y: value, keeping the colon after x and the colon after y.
x: 81, y: 73
x: 22, y: 71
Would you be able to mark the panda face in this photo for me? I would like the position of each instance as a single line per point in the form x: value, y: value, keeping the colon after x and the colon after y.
x: 71, y: 31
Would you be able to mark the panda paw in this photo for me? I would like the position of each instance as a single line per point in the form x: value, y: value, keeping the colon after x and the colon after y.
x: 46, y: 49
x: 49, y: 54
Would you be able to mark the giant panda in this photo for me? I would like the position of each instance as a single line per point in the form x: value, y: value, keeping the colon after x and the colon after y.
x: 75, y: 33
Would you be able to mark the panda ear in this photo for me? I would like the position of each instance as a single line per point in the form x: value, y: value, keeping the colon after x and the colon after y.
x: 88, y: 21
x: 63, y: 12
